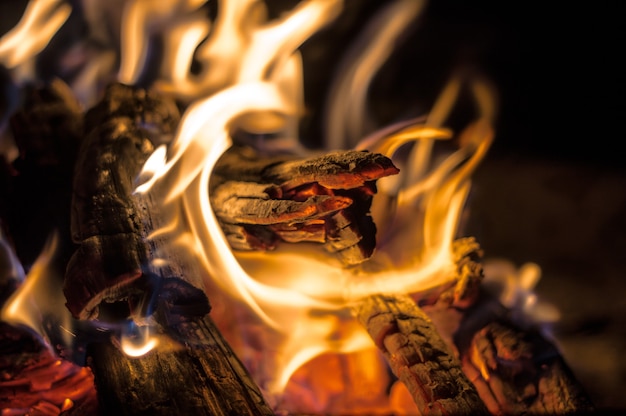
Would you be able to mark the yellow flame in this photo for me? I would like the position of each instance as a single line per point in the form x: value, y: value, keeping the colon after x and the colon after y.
x: 143, y: 18
x: 139, y: 343
x: 41, y: 20
x: 299, y: 293
x: 39, y: 296
x: 346, y: 119
x: 250, y: 67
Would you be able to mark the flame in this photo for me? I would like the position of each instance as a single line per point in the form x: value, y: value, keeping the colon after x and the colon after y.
x: 302, y: 297
x: 244, y: 71
x: 41, y: 20
x: 138, y: 341
x: 40, y: 297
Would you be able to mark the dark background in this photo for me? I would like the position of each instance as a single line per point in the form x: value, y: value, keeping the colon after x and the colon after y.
x: 552, y: 188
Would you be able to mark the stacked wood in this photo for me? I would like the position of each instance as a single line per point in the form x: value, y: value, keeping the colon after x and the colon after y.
x: 260, y: 201
x: 462, y: 367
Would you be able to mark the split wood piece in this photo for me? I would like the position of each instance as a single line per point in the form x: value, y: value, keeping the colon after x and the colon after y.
x: 464, y: 287
x: 193, y: 371
x: 418, y: 356
x: 121, y: 132
x: 261, y: 201
x: 520, y: 372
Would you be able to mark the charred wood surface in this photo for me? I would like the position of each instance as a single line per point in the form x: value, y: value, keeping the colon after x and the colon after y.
x: 516, y: 370
x: 193, y: 371
x: 261, y: 201
x: 121, y: 131
x: 418, y: 356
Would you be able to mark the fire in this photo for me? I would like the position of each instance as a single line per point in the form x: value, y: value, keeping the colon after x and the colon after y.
x: 39, y: 298
x: 298, y: 301
x: 301, y: 296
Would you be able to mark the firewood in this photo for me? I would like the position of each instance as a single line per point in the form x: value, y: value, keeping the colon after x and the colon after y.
x: 198, y: 375
x: 121, y: 133
x: 418, y: 356
x: 35, y: 381
x: 262, y: 200
x: 519, y: 371
x: 195, y: 371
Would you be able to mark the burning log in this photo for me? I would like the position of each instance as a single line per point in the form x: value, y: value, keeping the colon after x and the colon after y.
x: 105, y: 221
x: 418, y: 356
x: 196, y: 372
x: 518, y: 372
x: 111, y: 265
x: 262, y: 200
x: 47, y: 129
x: 496, y: 366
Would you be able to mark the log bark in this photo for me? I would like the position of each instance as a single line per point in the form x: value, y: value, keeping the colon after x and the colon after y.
x: 193, y: 370
x: 418, y: 356
x: 121, y: 133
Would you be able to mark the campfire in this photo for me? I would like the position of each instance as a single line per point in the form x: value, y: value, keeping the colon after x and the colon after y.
x: 204, y: 258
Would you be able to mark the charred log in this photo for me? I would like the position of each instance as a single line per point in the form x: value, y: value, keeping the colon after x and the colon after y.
x: 518, y: 372
x: 418, y: 356
x: 121, y: 132
x: 261, y: 201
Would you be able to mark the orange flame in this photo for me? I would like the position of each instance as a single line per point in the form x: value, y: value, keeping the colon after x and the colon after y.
x: 39, y: 296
